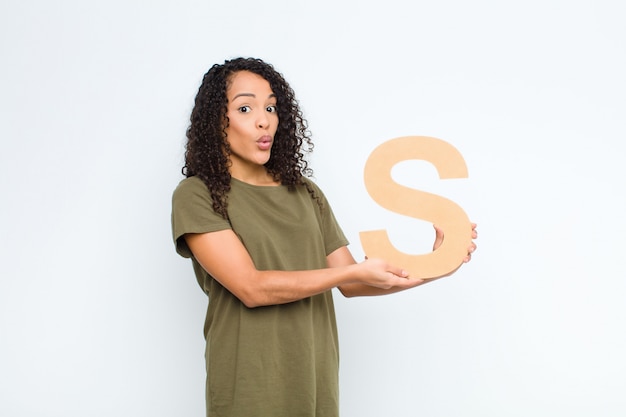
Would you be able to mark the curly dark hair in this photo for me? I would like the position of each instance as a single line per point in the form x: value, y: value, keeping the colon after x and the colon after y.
x: 207, y: 150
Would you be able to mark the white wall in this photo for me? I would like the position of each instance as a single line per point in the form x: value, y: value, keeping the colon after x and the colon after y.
x: 99, y: 317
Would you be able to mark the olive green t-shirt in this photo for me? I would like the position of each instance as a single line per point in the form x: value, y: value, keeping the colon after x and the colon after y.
x: 277, y: 360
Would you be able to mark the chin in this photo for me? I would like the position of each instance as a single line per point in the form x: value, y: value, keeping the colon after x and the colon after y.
x: 264, y: 160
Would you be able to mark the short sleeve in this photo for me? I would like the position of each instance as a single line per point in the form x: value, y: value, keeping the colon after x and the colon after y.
x: 192, y: 212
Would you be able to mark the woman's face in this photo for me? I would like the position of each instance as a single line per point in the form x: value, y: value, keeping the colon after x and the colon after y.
x: 252, y: 122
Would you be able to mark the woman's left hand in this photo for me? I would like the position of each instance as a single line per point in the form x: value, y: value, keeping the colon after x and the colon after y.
x: 470, y: 250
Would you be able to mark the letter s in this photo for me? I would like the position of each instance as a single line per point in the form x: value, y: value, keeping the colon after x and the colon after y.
x: 419, y: 204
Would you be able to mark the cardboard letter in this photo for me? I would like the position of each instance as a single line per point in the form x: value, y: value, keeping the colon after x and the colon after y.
x: 419, y: 204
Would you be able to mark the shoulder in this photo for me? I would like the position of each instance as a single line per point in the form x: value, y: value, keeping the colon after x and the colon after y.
x: 310, y: 184
x: 191, y: 184
x: 191, y: 195
x: 192, y: 187
x: 315, y: 192
x: 192, y: 212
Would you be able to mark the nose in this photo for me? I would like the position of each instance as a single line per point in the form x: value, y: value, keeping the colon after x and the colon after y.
x: 263, y: 121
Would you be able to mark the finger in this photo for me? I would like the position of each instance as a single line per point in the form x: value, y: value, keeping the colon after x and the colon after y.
x: 407, y: 282
x: 398, y: 272
x: 474, y: 231
x: 438, y: 237
x: 403, y: 274
x: 470, y: 250
x: 411, y: 282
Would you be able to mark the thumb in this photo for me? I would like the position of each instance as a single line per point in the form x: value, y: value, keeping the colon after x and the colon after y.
x: 438, y: 237
x: 399, y: 272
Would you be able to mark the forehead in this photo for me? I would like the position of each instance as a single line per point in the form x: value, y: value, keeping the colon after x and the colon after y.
x: 248, y: 82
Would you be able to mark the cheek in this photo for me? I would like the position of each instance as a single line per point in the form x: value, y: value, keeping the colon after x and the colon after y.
x: 276, y: 124
x: 234, y: 128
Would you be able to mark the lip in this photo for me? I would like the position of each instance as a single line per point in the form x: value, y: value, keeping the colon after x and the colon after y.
x: 264, y: 142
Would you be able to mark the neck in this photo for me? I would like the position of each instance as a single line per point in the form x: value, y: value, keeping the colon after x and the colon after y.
x: 258, y: 177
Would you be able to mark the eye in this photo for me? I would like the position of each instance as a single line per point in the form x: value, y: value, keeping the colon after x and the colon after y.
x: 244, y: 109
x: 271, y: 109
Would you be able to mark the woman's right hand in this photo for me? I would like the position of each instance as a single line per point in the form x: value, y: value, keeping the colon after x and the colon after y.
x: 380, y: 274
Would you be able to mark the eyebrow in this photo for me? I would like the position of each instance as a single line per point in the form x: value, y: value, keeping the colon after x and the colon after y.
x: 252, y: 95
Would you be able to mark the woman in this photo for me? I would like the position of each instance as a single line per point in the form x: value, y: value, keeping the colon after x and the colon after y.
x: 265, y: 248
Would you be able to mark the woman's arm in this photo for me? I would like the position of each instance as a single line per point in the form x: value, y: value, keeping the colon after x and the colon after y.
x: 342, y: 257
x: 225, y: 258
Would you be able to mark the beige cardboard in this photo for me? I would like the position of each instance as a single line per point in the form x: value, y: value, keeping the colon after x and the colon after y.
x: 419, y: 204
